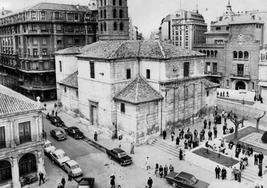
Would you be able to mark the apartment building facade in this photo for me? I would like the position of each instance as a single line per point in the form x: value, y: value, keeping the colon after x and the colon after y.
x: 21, y: 138
x: 29, y: 38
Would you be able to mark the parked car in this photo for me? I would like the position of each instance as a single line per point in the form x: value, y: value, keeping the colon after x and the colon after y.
x: 86, y: 183
x: 74, y: 132
x: 72, y: 168
x: 48, y: 147
x: 58, y: 134
x: 57, y: 121
x: 28, y: 179
x: 185, y: 180
x: 59, y: 157
x: 119, y: 156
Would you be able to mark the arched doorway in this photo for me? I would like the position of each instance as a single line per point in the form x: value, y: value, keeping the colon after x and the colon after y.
x: 5, y: 171
x: 27, y: 164
x: 240, y: 85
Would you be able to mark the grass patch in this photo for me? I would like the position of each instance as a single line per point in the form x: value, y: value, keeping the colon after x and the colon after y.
x: 213, y: 156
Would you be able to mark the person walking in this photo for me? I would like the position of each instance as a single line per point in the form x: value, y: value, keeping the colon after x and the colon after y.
x: 164, y: 134
x: 112, y: 181
x: 181, y: 154
x: 147, y: 163
x: 156, y: 168
x: 210, y: 135
x: 182, y: 134
x: 95, y: 136
x: 132, y: 148
x: 165, y: 170
x: 171, y: 168
x: 149, y: 182
x: 223, y: 174
x: 215, y: 132
x: 172, y: 135
x: 209, y: 123
x: 205, y: 123
x: 177, y: 141
x: 63, y: 182
x: 255, y: 159
x: 41, y: 178
x: 161, y: 171
x: 217, y: 172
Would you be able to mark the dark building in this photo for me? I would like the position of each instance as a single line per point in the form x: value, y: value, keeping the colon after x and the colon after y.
x: 29, y: 38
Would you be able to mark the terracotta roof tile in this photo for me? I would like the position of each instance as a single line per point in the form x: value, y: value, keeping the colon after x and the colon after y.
x: 12, y: 102
x: 135, y: 49
x: 138, y: 91
x: 71, y: 80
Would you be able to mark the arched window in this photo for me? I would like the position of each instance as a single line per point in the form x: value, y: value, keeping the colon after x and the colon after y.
x: 105, y: 26
x: 246, y: 55
x: 27, y: 164
x: 121, y: 13
x: 101, y: 27
x: 121, y: 26
x: 105, y: 2
x: 212, y: 53
x: 105, y: 13
x: 215, y: 53
x: 204, y: 51
x: 235, y: 54
x: 120, y: 2
x: 101, y: 2
x: 240, y: 55
x: 208, y: 53
x: 114, y: 13
x: 114, y: 2
x: 115, y: 26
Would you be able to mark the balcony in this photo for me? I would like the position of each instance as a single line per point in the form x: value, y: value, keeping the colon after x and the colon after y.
x: 39, y: 32
x: 213, y: 74
x: 28, y: 141
x: 37, y: 57
x: 40, y: 87
x: 240, y: 76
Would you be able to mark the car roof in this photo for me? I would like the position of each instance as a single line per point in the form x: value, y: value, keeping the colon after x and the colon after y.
x: 47, y: 142
x: 86, y: 180
x: 185, y: 175
x: 58, y: 151
x: 71, y: 162
x: 118, y: 150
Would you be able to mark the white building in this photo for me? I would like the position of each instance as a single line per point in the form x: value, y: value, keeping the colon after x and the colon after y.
x: 21, y: 138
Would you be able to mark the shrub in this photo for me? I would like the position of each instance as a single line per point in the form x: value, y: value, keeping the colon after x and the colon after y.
x: 264, y: 137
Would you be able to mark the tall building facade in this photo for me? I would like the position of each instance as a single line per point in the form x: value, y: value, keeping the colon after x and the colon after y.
x: 21, y: 138
x: 184, y: 29
x: 29, y: 38
x: 113, y: 20
x: 232, y: 49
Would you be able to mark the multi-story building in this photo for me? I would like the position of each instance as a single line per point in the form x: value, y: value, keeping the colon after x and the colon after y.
x: 184, y: 29
x: 263, y: 74
x: 29, y: 38
x: 21, y: 138
x: 232, y: 49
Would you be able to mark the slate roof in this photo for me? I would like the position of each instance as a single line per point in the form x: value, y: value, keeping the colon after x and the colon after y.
x: 138, y: 91
x: 71, y: 80
x: 70, y: 50
x: 12, y: 102
x: 150, y: 49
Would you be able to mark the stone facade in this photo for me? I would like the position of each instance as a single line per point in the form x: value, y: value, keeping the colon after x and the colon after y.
x: 21, y: 135
x: 263, y: 74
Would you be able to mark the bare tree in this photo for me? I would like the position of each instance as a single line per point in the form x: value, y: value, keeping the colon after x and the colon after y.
x: 236, y: 121
x: 258, y: 120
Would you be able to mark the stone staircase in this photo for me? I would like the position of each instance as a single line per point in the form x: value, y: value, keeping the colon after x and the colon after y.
x: 250, y: 173
x: 166, y: 147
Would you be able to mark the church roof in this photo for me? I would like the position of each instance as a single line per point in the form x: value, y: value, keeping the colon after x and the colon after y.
x: 138, y: 91
x: 12, y: 102
x: 127, y: 49
x: 69, y: 51
x: 71, y: 80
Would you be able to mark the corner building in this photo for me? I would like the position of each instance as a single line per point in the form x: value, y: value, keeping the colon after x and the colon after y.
x: 29, y: 38
x: 21, y: 138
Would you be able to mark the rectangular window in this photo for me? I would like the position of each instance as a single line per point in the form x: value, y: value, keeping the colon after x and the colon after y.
x: 214, y: 66
x: 122, y: 108
x: 65, y: 89
x: 128, y: 73
x: 77, y: 93
x: 207, y: 67
x: 92, y: 69
x: 2, y: 137
x: 76, y: 16
x: 35, y: 52
x: 60, y: 66
x: 44, y: 52
x: 70, y: 16
x: 185, y: 92
x: 25, y: 132
x: 240, y: 70
x: 253, y: 85
x: 33, y: 14
x: 56, y: 15
x: 208, y: 93
x: 147, y: 73
x: 42, y: 15
x: 186, y: 69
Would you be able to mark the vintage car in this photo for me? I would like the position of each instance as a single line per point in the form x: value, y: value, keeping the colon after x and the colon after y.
x: 74, y: 132
x: 119, y: 156
x: 59, y: 157
x: 57, y: 121
x: 48, y: 147
x: 58, y: 134
x: 72, y: 168
x: 86, y: 183
x: 185, y: 180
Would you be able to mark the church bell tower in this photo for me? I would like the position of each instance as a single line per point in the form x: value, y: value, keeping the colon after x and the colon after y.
x: 113, y: 20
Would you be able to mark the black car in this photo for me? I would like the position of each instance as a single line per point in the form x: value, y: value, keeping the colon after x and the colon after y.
x: 185, y: 180
x: 86, y: 183
x: 58, y: 134
x: 74, y: 132
x: 120, y: 156
x: 57, y: 121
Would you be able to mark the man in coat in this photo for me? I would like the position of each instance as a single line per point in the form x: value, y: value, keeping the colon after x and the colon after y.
x: 149, y: 182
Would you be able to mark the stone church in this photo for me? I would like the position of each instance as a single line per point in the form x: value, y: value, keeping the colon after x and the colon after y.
x: 138, y: 87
